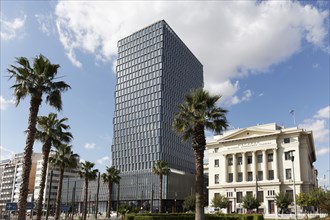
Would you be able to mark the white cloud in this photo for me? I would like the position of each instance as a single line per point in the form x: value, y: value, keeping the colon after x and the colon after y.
x: 104, y: 160
x: 261, y: 94
x: 46, y: 23
x: 90, y: 146
x: 10, y: 29
x: 5, y: 153
x: 245, y: 97
x: 319, y: 127
x: 323, y: 113
x: 322, y: 151
x: 316, y: 65
x: 4, y: 104
x: 231, y: 38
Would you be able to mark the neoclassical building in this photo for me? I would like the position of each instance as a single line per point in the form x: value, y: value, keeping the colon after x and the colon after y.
x: 256, y: 160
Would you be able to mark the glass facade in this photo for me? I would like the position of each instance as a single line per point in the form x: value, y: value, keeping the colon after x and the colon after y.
x: 155, y: 70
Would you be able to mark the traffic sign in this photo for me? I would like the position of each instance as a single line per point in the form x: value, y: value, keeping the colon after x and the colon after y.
x: 11, y: 206
x: 29, y: 205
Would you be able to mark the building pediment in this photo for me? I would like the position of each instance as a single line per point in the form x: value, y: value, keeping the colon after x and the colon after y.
x: 248, y: 133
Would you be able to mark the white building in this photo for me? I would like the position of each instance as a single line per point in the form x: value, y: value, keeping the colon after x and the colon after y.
x: 256, y: 158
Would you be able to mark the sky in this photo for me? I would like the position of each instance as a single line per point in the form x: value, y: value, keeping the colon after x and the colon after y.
x: 265, y: 58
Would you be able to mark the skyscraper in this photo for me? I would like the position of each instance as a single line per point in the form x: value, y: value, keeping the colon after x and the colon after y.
x: 155, y: 70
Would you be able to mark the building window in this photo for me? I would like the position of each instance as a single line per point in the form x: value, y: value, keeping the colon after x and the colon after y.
x: 286, y: 140
x: 250, y: 176
x: 216, y: 194
x: 229, y: 194
x: 216, y: 179
x: 260, y: 196
x: 287, y: 156
x: 239, y: 177
x: 288, y: 174
x: 239, y: 196
x: 270, y: 157
x: 270, y: 174
x: 239, y: 160
x: 290, y: 194
x: 271, y: 192
x: 249, y: 193
x: 230, y: 177
x: 249, y: 159
x: 216, y: 163
x: 216, y: 150
x: 259, y: 158
x: 260, y: 175
x: 230, y: 161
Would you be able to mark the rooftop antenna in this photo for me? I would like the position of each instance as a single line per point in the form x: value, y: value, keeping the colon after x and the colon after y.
x: 293, y: 116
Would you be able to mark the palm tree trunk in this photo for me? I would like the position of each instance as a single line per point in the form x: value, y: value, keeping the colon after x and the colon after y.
x: 85, y: 199
x: 27, y: 163
x: 160, y: 192
x: 59, y: 196
x: 109, y: 199
x: 199, y: 155
x: 46, y: 151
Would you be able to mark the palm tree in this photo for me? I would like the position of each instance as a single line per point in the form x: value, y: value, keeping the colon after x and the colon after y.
x: 88, y: 173
x: 111, y: 176
x: 197, y: 113
x: 62, y: 159
x: 160, y: 168
x: 50, y: 132
x: 34, y: 82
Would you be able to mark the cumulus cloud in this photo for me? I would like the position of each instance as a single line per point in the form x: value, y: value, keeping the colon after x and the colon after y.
x: 322, y: 151
x: 89, y: 146
x: 4, y: 104
x: 323, y: 113
x: 10, y: 29
x: 104, y: 160
x: 318, y: 124
x: 231, y: 38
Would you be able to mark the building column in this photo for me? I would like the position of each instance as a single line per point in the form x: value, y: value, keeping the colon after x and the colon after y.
x: 275, y: 164
x: 244, y: 165
x: 254, y: 164
x: 226, y: 168
x: 234, y: 168
x: 264, y: 161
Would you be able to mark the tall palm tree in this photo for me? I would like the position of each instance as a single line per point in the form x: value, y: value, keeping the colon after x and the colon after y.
x: 161, y: 169
x: 34, y: 81
x: 62, y: 159
x: 197, y: 113
x: 87, y: 172
x: 50, y: 132
x: 111, y: 176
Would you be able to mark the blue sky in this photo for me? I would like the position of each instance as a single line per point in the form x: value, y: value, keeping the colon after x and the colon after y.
x: 265, y: 58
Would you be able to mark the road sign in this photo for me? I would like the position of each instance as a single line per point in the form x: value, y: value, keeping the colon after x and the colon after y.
x: 65, y: 208
x: 29, y: 205
x: 11, y: 206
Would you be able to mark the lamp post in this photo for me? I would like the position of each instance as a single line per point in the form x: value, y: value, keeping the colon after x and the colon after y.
x: 175, y: 201
x: 294, y: 183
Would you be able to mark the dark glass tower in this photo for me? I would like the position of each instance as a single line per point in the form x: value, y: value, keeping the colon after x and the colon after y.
x: 155, y: 70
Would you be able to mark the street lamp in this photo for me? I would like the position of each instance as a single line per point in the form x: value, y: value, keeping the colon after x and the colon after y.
x: 175, y: 195
x: 290, y: 152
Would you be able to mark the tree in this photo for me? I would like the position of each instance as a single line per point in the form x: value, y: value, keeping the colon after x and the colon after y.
x: 304, y: 200
x: 161, y: 169
x: 250, y: 202
x: 62, y: 159
x: 111, y: 176
x: 324, y: 201
x: 35, y: 82
x: 189, y: 203
x: 197, y: 113
x: 220, y: 201
x: 283, y: 200
x: 87, y: 172
x: 50, y: 131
